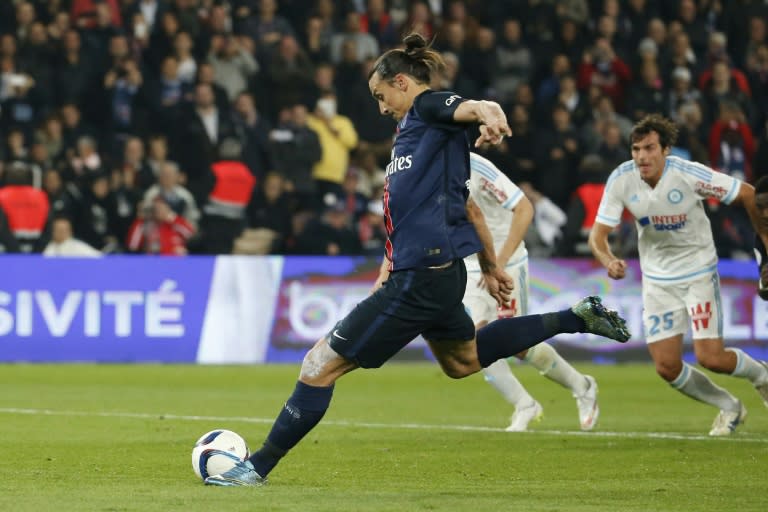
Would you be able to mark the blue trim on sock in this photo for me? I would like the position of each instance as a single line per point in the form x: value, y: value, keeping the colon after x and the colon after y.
x: 681, y: 379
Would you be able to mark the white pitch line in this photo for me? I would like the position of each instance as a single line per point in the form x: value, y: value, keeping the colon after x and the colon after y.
x: 401, y: 426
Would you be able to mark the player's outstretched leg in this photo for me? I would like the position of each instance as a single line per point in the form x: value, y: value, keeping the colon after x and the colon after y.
x: 600, y: 320
x: 500, y: 376
x: 509, y: 336
x: 754, y: 371
x: 695, y: 384
x: 550, y: 364
x: 300, y: 414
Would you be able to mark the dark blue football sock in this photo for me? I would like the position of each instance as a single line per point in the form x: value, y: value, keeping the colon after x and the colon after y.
x: 508, y: 336
x: 303, y: 410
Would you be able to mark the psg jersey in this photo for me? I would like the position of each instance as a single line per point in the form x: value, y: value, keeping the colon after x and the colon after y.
x: 425, y: 191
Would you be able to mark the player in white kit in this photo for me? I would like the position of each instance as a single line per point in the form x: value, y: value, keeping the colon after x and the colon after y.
x: 681, y: 285
x: 508, y: 214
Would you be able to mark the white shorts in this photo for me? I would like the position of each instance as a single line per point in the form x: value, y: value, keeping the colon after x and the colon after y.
x: 669, y: 309
x: 483, y: 308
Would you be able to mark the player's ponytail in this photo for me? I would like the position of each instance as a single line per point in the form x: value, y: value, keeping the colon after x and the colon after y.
x: 417, y: 59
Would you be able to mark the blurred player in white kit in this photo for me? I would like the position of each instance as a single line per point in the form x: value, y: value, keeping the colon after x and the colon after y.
x: 681, y: 284
x: 508, y: 214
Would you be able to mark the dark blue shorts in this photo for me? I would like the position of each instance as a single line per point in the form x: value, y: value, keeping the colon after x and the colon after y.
x: 411, y: 302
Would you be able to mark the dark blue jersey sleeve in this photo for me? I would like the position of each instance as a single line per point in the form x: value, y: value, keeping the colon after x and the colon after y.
x: 438, y: 108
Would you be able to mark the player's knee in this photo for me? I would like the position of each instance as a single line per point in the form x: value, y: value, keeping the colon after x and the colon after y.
x: 319, y: 363
x: 669, y: 370
x: 458, y: 371
x: 712, y: 361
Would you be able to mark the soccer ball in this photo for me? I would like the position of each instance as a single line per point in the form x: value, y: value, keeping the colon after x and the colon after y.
x: 218, y: 451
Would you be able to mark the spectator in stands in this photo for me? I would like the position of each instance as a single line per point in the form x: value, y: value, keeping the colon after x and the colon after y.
x: 233, y: 65
x: 514, y: 60
x: 548, y: 220
x: 338, y: 138
x: 224, y: 209
x: 26, y: 208
x: 724, y: 86
x: 371, y: 230
x: 84, y: 161
x: 601, y: 66
x: 73, y: 127
x: 158, y: 230
x: 604, y: 112
x: 680, y: 93
x: 207, y: 75
x: 270, y: 209
x: 59, y: 198
x: 558, y: 151
x: 135, y: 161
x: 331, y: 235
x: 549, y: 86
x: 165, y: 96
x: 252, y: 129
x: 122, y: 84
x: 95, y: 213
x: 366, y: 45
x: 295, y: 149
x: 178, y: 198
x: 693, y: 25
x: 51, y: 135
x: 203, y: 127
x: 267, y: 28
x: 692, y: 131
x: 480, y: 62
x: 63, y: 242
x: 183, y: 50
x: 647, y: 96
x: 570, y: 97
x: 289, y: 73
x: 731, y: 143
x: 377, y: 22
x: 582, y: 208
x: 316, y: 41
x: 612, y: 149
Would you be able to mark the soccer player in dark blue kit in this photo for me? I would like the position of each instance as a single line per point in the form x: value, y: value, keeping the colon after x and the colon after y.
x: 431, y: 227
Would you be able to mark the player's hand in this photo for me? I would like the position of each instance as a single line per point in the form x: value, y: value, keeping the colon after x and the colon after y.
x: 499, y: 284
x: 493, y: 133
x: 617, y: 269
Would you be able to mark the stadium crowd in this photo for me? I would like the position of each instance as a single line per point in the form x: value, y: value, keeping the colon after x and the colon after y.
x: 246, y: 126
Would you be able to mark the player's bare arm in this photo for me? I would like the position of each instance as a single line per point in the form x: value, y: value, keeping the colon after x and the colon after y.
x: 499, y: 284
x: 523, y: 216
x: 598, y: 243
x: 490, y: 115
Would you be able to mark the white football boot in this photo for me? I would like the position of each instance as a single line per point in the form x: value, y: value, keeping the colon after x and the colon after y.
x: 726, y: 421
x: 589, y: 411
x: 523, y: 416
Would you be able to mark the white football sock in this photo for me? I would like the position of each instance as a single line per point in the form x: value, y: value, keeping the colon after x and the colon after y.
x: 552, y: 365
x: 748, y: 368
x: 500, y: 377
x: 695, y: 384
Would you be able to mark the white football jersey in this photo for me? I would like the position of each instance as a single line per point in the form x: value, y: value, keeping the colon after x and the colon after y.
x: 674, y: 234
x: 496, y: 196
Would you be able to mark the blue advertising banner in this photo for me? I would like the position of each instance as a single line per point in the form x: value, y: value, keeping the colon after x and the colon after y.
x: 316, y: 292
x: 120, y: 308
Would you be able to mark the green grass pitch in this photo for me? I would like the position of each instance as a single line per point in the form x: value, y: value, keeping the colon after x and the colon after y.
x: 403, y: 438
